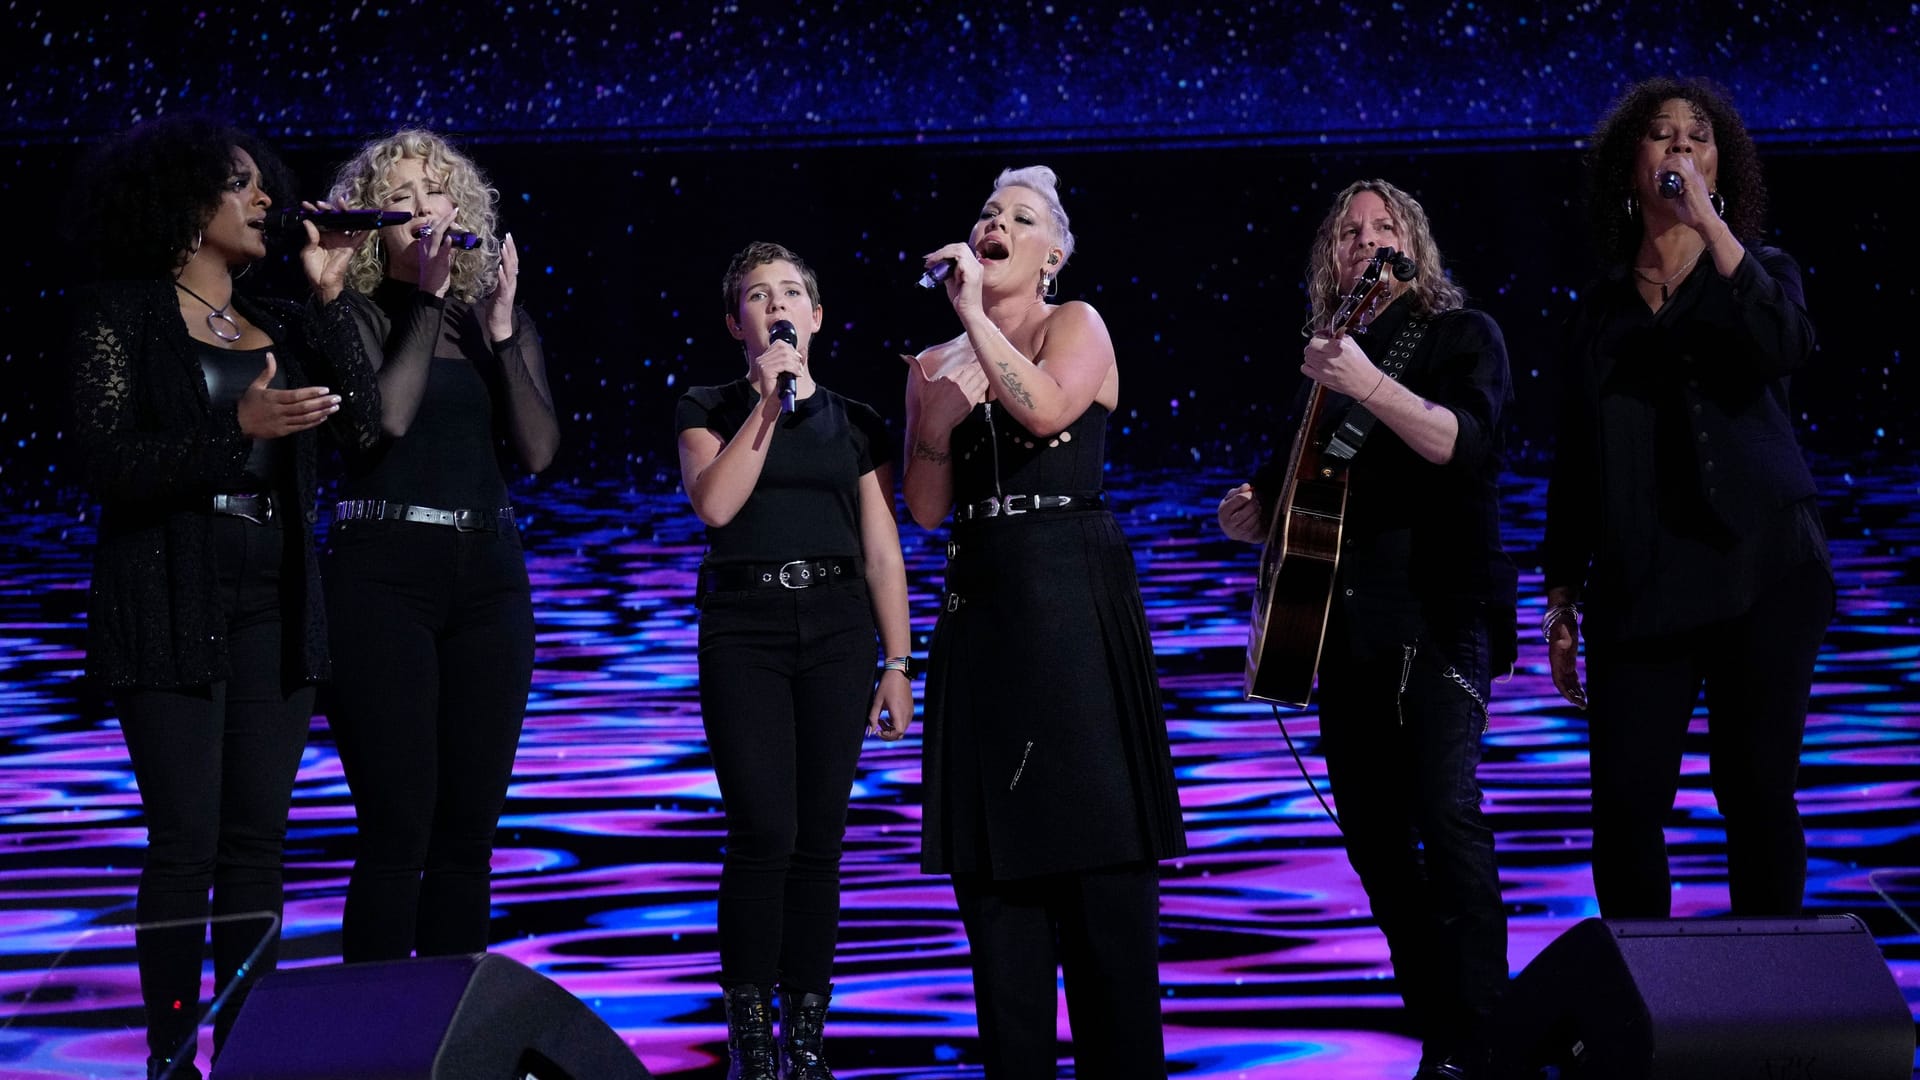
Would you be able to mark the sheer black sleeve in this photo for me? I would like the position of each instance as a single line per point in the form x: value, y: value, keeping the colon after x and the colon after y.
x: 532, y: 426
x: 400, y: 350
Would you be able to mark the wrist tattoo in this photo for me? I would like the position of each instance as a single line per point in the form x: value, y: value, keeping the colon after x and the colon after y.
x: 1012, y: 381
x: 926, y: 451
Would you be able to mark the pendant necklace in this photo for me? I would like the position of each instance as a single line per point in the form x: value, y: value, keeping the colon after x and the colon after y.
x: 1643, y: 277
x: 230, y: 331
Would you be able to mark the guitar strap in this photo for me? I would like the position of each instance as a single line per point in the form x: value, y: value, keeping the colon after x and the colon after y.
x: 1353, y: 429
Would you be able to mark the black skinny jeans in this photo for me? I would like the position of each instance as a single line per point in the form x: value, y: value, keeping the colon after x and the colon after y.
x: 1101, y: 930
x: 1402, y: 765
x: 432, y: 659
x: 1758, y: 672
x: 216, y: 766
x: 786, y: 678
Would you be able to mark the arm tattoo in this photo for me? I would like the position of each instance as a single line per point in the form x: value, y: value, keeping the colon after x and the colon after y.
x: 926, y: 451
x: 1012, y: 381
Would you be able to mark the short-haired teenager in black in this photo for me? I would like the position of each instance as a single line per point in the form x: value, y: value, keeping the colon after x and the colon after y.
x: 803, y: 562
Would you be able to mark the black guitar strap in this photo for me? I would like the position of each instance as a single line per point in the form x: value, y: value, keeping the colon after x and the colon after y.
x: 1353, y: 429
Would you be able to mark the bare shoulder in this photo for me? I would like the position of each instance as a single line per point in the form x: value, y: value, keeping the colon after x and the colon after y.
x: 1075, y: 327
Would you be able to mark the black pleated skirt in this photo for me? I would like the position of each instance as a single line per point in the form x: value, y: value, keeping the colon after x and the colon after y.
x: 1046, y: 745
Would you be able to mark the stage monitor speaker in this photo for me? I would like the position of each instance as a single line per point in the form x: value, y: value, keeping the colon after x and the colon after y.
x: 1652, y: 999
x: 479, y: 1017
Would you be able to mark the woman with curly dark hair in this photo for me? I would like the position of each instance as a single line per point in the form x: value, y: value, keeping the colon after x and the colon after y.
x: 1681, y: 514
x: 427, y: 583
x: 195, y: 414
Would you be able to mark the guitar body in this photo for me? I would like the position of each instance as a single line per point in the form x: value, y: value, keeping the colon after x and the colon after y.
x: 1294, y: 593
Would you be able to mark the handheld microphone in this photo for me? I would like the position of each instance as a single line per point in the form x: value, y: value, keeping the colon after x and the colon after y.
x: 936, y: 274
x: 288, y: 220
x: 1670, y: 184
x: 783, y: 331
x: 459, y: 239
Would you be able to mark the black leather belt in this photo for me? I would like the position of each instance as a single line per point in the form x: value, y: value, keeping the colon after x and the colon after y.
x: 798, y: 574
x: 1011, y: 505
x: 460, y: 520
x: 256, y: 507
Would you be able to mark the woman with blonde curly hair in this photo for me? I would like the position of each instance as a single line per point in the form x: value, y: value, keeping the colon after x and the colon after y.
x: 427, y: 585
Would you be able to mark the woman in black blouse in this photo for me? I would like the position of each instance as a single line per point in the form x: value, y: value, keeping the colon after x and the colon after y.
x: 1681, y: 512
x: 195, y: 413
x: 427, y: 585
x: 803, y: 561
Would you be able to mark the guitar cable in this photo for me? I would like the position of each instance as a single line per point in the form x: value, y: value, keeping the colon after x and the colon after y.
x: 1304, y: 774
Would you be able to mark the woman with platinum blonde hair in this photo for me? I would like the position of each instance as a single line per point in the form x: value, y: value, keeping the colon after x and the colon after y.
x: 1049, y: 786
x: 427, y: 585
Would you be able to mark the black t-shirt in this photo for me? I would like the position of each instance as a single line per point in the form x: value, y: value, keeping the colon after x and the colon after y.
x: 807, y: 502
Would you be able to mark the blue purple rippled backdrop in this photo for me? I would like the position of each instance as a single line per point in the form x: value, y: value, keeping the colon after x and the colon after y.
x: 637, y: 146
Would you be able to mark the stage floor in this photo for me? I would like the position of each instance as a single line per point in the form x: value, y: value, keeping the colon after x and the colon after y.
x: 608, y: 857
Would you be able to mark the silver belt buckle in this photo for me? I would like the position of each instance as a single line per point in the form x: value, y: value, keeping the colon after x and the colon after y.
x: 805, y: 572
x: 1007, y: 507
x: 953, y: 602
x: 469, y: 521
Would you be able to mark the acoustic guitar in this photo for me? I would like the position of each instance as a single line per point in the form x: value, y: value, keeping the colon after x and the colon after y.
x: 1294, y: 593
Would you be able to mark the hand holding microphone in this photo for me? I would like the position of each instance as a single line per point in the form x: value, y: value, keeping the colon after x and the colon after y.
x: 782, y: 330
x: 936, y: 274
x: 331, y: 235
x: 329, y: 219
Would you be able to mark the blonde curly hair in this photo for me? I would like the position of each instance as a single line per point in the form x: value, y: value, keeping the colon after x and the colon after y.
x: 1433, y: 292
x: 362, y: 183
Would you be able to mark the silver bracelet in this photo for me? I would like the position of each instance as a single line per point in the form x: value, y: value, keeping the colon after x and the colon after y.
x: 901, y: 664
x: 1554, y: 615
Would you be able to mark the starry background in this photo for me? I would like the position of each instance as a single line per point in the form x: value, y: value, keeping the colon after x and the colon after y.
x: 636, y: 146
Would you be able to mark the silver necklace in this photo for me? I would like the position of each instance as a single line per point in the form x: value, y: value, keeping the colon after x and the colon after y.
x: 1671, y: 278
x: 216, y: 316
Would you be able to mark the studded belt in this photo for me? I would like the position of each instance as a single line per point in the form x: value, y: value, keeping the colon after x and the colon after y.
x: 256, y: 507
x: 459, y: 520
x: 1013, y: 505
x: 797, y: 574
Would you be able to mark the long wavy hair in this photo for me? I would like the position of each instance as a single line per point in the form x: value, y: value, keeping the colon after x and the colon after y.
x: 1432, y: 291
x: 362, y: 183
x: 1616, y: 145
x: 141, y: 198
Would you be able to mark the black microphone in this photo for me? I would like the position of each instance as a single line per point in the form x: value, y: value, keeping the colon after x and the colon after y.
x: 1670, y: 184
x: 456, y: 238
x: 288, y: 220
x: 936, y: 274
x: 782, y: 330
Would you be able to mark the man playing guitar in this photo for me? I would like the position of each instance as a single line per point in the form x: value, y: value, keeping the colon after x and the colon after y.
x: 1422, y: 605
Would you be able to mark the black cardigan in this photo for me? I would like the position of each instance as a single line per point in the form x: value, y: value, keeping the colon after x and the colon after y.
x: 1679, y: 491
x: 154, y: 451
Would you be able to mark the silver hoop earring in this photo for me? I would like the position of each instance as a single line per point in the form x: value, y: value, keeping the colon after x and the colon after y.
x: 1049, y: 286
x: 199, y: 238
x: 1719, y: 202
x: 1633, y: 206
